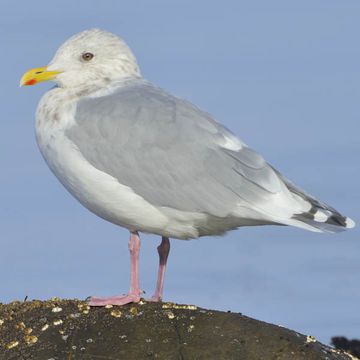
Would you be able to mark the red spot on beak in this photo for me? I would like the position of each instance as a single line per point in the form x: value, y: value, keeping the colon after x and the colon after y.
x: 31, y: 82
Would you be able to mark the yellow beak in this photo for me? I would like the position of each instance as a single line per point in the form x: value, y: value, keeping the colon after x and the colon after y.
x: 37, y: 75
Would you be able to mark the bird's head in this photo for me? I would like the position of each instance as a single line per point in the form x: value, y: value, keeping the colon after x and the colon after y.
x: 90, y: 57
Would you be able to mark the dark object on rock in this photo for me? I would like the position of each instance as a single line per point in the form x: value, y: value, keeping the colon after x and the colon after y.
x: 71, y: 330
x: 351, y: 346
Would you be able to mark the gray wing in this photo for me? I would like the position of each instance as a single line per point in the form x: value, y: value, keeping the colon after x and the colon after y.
x: 175, y: 155
x: 168, y: 151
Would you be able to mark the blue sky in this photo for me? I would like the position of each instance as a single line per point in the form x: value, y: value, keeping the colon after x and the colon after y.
x: 283, y: 75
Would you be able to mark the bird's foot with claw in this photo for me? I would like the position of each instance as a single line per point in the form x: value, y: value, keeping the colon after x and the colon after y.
x: 155, y: 298
x: 114, y: 300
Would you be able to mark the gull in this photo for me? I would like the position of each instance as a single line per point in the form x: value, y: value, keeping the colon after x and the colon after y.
x: 150, y: 162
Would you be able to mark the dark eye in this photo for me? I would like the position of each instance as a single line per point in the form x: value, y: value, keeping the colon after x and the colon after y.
x: 87, y: 56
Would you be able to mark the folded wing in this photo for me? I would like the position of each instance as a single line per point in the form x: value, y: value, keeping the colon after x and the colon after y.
x: 176, y: 156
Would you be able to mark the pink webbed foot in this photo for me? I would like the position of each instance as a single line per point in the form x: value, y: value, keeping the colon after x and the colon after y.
x: 114, y: 300
x: 134, y: 294
x: 155, y: 298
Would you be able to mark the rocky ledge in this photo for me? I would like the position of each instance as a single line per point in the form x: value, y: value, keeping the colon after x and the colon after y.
x: 71, y: 330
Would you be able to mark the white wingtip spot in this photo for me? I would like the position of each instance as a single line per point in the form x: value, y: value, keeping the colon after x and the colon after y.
x: 320, y: 216
x: 350, y: 223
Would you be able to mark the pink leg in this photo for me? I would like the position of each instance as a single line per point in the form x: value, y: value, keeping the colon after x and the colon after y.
x: 163, y: 250
x: 134, y: 293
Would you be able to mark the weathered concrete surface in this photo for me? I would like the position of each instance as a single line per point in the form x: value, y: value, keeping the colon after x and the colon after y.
x: 70, y: 330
